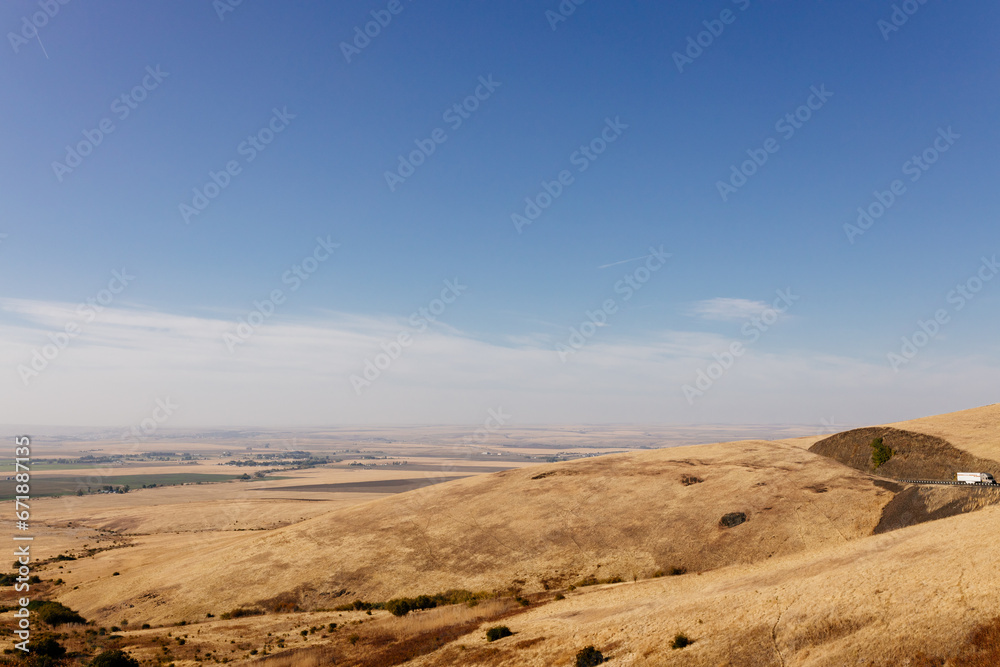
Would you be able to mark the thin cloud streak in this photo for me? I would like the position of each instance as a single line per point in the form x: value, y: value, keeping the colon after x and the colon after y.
x: 296, y: 372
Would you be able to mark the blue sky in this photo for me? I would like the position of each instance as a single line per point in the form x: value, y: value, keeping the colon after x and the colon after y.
x: 345, y: 124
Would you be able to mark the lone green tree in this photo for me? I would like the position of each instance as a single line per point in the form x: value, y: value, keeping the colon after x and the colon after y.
x: 880, y: 453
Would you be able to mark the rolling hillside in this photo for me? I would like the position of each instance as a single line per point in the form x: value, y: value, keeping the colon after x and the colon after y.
x: 626, y: 516
x: 785, y: 556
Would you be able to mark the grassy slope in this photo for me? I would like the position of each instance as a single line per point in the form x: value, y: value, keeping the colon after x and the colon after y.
x: 977, y: 431
x: 621, y: 515
x: 875, y: 601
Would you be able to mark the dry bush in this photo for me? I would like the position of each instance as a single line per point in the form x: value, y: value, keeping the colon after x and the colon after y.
x: 421, y: 622
x: 301, y: 658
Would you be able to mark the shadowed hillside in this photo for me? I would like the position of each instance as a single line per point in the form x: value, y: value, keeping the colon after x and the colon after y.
x: 916, y: 455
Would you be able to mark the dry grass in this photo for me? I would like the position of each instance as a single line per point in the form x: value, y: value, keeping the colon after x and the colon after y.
x: 802, y: 582
x: 431, y: 620
x: 625, y: 515
x: 875, y: 601
x: 916, y: 455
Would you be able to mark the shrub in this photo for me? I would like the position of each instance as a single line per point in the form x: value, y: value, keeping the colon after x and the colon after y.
x: 681, y: 640
x: 677, y: 571
x: 403, y: 606
x: 114, y: 658
x: 881, y: 453
x: 47, y: 646
x: 54, y: 613
x: 559, y: 596
x: 241, y: 612
x: 146, y: 626
x: 498, y: 632
x: 594, y: 581
x: 588, y: 657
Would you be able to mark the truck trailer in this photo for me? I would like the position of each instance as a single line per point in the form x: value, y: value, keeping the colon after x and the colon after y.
x: 976, y: 478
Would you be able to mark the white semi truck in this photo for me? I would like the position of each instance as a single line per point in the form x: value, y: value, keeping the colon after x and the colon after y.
x: 976, y: 478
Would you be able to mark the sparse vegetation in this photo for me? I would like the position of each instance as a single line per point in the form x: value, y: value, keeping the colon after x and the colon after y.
x: 589, y: 657
x: 114, y: 658
x: 680, y: 641
x: 54, y: 613
x: 403, y: 606
x: 47, y: 646
x: 242, y: 612
x: 594, y: 581
x: 498, y: 632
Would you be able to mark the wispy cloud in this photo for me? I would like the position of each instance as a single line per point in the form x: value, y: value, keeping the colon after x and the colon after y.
x: 626, y: 261
x: 727, y: 309
x: 296, y: 370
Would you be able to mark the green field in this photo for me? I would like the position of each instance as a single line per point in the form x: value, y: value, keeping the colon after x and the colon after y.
x: 64, y: 485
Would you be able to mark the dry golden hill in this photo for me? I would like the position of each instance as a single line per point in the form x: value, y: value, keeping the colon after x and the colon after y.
x: 915, y: 455
x: 626, y: 515
x: 976, y: 431
x: 878, y: 601
x: 817, y: 562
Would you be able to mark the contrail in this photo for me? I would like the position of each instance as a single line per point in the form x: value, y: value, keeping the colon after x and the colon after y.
x: 39, y: 37
x: 604, y: 266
